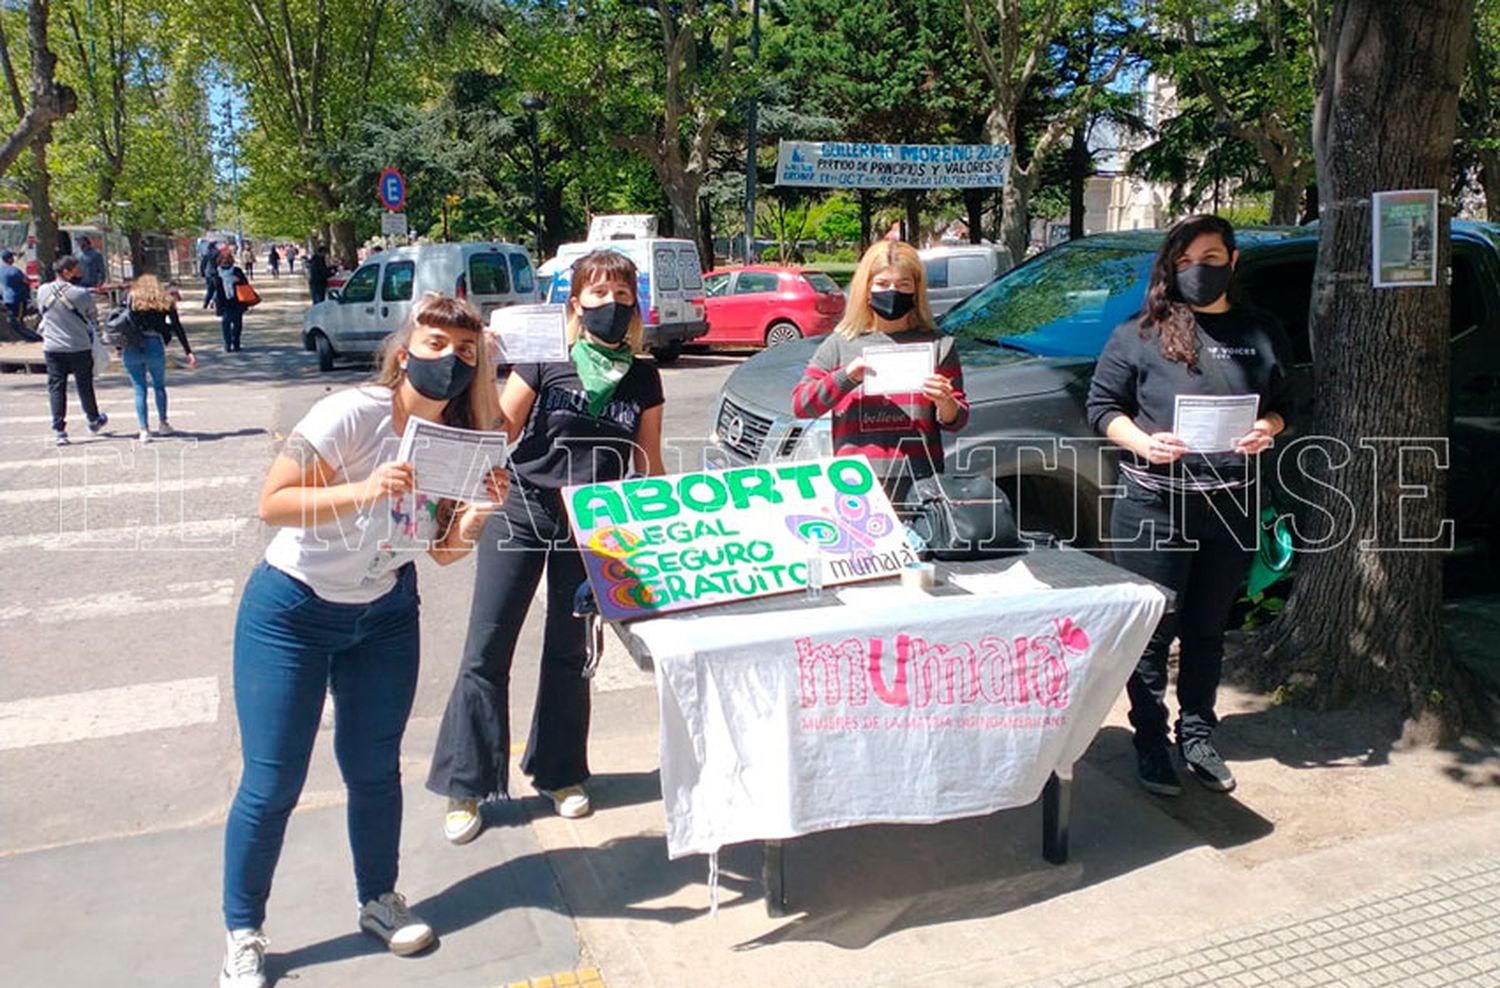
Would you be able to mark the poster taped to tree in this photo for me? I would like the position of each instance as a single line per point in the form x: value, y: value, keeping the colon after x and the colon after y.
x: 850, y: 165
x: 1404, y: 228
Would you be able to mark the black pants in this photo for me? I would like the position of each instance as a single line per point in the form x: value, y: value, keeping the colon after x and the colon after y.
x: 231, y: 324
x: 79, y: 363
x: 472, y: 757
x: 1206, y: 580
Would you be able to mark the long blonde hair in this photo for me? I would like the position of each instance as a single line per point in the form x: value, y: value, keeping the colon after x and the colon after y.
x: 858, y: 317
x: 605, y: 265
x: 147, y: 294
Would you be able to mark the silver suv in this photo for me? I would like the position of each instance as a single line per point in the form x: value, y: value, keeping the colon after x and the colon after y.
x: 955, y: 273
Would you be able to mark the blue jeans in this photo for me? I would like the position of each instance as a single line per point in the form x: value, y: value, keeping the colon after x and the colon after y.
x: 151, y: 357
x: 290, y: 647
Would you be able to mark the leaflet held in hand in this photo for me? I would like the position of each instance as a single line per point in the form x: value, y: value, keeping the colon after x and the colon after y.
x: 531, y: 333
x: 897, y: 368
x: 450, y: 462
x: 1214, y: 423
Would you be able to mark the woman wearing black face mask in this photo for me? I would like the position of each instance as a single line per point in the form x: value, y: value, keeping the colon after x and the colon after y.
x: 900, y: 433
x: 589, y: 419
x: 1188, y: 520
x: 333, y: 608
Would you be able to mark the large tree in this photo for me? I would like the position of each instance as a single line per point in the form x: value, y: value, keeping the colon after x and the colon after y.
x: 1016, y: 42
x: 51, y: 101
x: 1364, y: 617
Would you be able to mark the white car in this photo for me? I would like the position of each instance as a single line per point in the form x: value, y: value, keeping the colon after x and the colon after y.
x: 355, y: 319
x: 955, y: 273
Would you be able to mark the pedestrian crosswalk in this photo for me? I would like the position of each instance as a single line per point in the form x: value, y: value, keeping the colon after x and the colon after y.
x: 107, y: 713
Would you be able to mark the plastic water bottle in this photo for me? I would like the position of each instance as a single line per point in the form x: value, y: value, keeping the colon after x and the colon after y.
x: 814, y: 575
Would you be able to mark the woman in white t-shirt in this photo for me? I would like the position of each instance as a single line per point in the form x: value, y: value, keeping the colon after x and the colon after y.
x: 333, y: 608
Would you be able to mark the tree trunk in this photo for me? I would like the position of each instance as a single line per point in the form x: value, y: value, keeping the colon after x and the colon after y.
x: 682, y: 199
x: 1285, y: 202
x: 138, y: 265
x: 974, y: 207
x: 1364, y: 618
x: 1015, y: 215
x: 913, y: 217
x: 39, y: 189
x: 1080, y: 164
x: 342, y: 244
x: 706, y: 235
x: 865, y: 221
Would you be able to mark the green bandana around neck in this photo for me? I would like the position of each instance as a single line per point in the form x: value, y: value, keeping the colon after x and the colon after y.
x: 601, y: 369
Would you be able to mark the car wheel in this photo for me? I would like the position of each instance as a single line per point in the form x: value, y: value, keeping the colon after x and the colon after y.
x: 667, y: 354
x: 782, y: 332
x: 324, y: 346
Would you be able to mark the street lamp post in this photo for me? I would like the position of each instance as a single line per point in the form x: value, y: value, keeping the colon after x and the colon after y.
x: 534, y: 105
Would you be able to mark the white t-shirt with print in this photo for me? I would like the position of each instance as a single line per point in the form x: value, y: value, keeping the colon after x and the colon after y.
x: 353, y: 560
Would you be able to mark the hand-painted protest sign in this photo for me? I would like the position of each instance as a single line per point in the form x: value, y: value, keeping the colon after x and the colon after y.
x: 660, y: 544
x: 846, y: 165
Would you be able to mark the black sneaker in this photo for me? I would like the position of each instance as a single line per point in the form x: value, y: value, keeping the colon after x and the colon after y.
x: 98, y: 423
x: 1203, y: 761
x: 1155, y: 771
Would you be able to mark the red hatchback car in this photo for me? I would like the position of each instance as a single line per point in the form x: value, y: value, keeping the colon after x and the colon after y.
x: 764, y: 306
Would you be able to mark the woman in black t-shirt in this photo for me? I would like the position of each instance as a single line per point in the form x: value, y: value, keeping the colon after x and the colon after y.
x: 591, y: 419
x: 1188, y: 519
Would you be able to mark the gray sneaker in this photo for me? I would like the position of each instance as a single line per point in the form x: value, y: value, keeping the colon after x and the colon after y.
x: 1203, y: 761
x: 244, y: 960
x: 388, y: 917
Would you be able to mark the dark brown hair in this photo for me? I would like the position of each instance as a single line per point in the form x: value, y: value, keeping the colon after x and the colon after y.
x: 1165, y: 312
x: 605, y: 265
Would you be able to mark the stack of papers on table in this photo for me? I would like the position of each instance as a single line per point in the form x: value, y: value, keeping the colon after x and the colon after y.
x: 1016, y: 580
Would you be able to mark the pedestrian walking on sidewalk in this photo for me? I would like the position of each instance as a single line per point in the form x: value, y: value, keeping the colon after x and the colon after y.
x: 579, y: 421
x: 223, y: 295
x: 1188, y: 520
x: 273, y: 258
x: 328, y: 613
x: 292, y: 253
x: 247, y: 260
x: 153, y: 310
x: 92, y: 270
x: 318, y: 273
x: 69, y: 326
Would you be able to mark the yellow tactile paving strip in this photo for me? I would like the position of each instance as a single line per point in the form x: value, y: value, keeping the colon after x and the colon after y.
x: 588, y: 977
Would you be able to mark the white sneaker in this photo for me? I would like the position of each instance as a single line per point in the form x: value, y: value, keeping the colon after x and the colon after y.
x: 571, y: 802
x: 244, y: 960
x: 388, y: 918
x: 165, y: 428
x: 144, y: 436
x: 462, y: 822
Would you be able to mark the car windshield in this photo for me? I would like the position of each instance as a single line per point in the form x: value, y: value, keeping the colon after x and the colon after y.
x: 1064, y: 303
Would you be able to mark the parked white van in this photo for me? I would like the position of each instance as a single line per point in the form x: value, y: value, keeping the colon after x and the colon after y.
x: 377, y: 297
x: 954, y: 273
x: 669, y: 288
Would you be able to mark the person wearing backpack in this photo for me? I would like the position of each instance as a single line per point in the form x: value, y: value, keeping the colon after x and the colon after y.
x: 146, y: 319
x: 224, y: 282
x: 69, y: 326
x: 1188, y: 519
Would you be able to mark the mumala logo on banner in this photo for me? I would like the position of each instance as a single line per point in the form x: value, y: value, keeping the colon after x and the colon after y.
x: 660, y: 544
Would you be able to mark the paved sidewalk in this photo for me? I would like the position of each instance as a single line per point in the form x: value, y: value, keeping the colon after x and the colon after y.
x: 1440, y: 932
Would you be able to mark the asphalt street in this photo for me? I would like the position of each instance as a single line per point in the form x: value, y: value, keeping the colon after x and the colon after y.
x: 123, y: 567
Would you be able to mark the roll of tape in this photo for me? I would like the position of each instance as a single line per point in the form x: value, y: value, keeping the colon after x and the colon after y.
x: 922, y: 576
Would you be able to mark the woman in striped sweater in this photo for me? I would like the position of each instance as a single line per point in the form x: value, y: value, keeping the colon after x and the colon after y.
x: 900, y: 433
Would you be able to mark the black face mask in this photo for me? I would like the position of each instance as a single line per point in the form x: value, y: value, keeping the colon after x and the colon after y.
x: 891, y: 304
x: 607, y: 323
x: 1203, y: 284
x: 439, y: 378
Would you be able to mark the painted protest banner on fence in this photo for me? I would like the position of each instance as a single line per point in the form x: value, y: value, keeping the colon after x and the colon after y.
x: 660, y: 544
x: 846, y: 165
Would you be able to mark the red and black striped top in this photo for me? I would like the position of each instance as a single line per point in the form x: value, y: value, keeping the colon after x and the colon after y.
x: 886, y: 428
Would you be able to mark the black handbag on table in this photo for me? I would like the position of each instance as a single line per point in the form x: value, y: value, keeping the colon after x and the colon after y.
x: 963, y: 516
